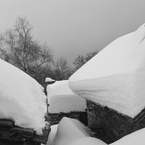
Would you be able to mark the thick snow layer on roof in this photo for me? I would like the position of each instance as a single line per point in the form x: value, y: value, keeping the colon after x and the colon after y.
x: 115, y: 77
x: 137, y: 137
x: 21, y: 98
x: 73, y: 132
x: 62, y: 99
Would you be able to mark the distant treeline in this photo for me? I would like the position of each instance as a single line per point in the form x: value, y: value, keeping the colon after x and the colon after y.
x: 18, y: 47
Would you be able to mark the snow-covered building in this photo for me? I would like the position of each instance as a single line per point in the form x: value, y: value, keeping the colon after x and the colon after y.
x: 22, y: 105
x: 113, y: 83
x: 63, y: 102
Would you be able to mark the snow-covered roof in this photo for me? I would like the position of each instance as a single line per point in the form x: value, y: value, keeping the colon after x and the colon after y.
x: 115, y: 77
x: 62, y: 99
x: 21, y: 98
x: 48, y: 80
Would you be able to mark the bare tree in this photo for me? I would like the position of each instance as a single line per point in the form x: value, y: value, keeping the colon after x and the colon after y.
x: 62, y: 69
x: 81, y: 60
x: 20, y: 49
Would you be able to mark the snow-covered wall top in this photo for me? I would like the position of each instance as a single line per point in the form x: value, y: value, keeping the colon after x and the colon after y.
x: 21, y: 98
x: 62, y: 99
x: 115, y: 77
x: 47, y: 80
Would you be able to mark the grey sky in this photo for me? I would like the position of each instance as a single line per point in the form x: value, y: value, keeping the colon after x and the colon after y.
x: 73, y: 27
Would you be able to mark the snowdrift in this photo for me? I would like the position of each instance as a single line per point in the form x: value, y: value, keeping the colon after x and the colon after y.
x: 115, y: 77
x: 21, y: 98
x: 62, y: 99
x: 70, y: 131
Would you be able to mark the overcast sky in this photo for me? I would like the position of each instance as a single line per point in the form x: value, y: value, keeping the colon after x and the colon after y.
x: 72, y: 27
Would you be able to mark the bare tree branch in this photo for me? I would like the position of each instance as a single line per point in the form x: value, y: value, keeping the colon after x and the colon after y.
x: 21, y: 50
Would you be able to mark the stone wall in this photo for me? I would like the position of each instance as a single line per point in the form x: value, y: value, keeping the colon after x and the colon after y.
x: 108, y: 125
x: 56, y: 117
x: 15, y: 135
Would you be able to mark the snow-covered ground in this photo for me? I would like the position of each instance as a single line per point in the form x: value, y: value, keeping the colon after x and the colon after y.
x: 62, y: 99
x: 115, y: 77
x: 21, y: 98
x: 72, y: 132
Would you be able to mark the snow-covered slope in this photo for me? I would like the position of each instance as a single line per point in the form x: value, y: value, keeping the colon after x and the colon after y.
x: 135, y: 138
x: 21, y: 98
x: 115, y: 77
x: 62, y: 99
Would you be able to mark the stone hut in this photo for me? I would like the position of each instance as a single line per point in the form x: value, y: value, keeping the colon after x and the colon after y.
x: 109, y: 125
x: 22, y: 108
x: 64, y: 103
x: 113, y: 83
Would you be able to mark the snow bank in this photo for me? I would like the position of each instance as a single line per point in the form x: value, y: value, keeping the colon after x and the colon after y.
x: 137, y: 137
x: 70, y: 130
x: 62, y: 99
x: 115, y: 77
x: 21, y: 98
